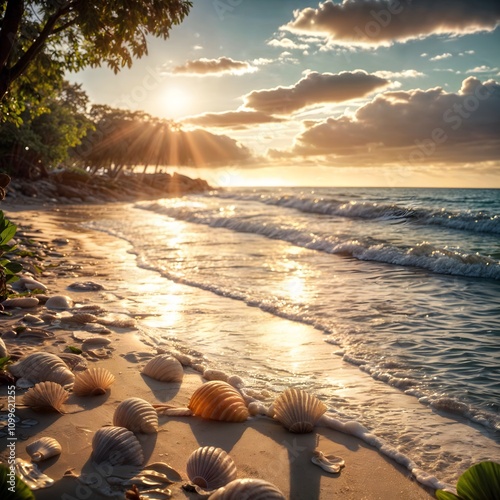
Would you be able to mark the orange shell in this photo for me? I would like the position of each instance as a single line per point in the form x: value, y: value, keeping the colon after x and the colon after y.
x: 218, y: 400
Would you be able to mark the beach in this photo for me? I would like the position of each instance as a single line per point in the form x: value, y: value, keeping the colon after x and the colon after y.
x: 135, y: 302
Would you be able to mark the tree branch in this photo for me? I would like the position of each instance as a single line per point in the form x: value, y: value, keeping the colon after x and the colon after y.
x: 10, y: 26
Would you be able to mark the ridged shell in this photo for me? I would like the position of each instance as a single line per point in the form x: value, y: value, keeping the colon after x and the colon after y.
x: 23, y: 302
x: 248, y: 489
x: 59, y: 302
x: 93, y: 382
x: 298, y: 411
x: 116, y: 445
x: 210, y: 467
x: 43, y: 448
x: 218, y: 400
x: 41, y: 367
x: 137, y: 415
x: 80, y: 318
x: 46, y: 396
x: 164, y: 368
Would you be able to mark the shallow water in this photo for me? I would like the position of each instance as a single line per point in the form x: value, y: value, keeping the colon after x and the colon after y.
x: 384, y: 303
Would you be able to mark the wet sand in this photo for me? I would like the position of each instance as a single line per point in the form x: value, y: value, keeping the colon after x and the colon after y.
x: 260, y: 447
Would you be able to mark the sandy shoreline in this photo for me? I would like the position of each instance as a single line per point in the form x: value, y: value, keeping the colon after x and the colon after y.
x: 260, y: 447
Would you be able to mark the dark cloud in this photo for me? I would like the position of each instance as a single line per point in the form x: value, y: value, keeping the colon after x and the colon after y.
x: 380, y: 22
x: 313, y: 89
x: 222, y: 65
x: 234, y: 119
x: 418, y: 125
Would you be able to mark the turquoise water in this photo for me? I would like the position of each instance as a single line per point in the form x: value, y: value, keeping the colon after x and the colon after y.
x: 402, y: 285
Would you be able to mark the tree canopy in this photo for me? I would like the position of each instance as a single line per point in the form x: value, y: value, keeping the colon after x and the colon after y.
x: 40, y: 40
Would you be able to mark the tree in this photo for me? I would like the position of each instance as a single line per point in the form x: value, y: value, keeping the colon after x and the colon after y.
x: 60, y: 35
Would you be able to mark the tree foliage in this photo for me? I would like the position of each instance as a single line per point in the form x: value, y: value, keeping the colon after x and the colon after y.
x: 53, y: 36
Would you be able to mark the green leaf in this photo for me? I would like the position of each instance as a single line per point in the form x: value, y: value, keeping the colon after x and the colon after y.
x: 3, y: 362
x: 18, y: 491
x: 8, y: 233
x: 74, y: 350
x: 14, y: 267
x: 480, y: 482
x: 446, y: 495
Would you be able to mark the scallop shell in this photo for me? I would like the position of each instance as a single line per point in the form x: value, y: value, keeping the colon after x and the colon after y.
x: 210, y: 467
x: 43, y: 448
x: 46, y: 396
x: 298, y: 411
x: 59, y: 302
x: 3, y: 349
x: 80, y: 318
x: 93, y: 382
x: 164, y: 368
x: 23, y: 302
x: 218, y: 400
x: 137, y: 415
x: 41, y: 367
x: 117, y: 446
x: 244, y: 489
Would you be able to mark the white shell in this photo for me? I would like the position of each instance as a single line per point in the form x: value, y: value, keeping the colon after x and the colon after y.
x: 137, y: 415
x: 29, y: 284
x: 116, y: 445
x: 93, y: 382
x: 329, y: 463
x: 244, y: 489
x: 3, y: 349
x: 41, y: 367
x: 46, y: 396
x: 298, y: 411
x: 217, y: 400
x: 32, y: 475
x: 43, y: 448
x: 24, y: 302
x: 210, y: 467
x: 164, y: 368
x: 59, y: 302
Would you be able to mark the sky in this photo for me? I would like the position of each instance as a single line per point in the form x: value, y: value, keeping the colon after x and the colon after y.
x: 396, y: 93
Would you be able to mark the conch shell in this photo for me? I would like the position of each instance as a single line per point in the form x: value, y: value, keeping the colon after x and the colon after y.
x: 248, y: 488
x: 298, y: 411
x: 43, y: 367
x: 43, y: 448
x: 210, y: 467
x: 164, y: 368
x: 46, y: 396
x: 218, y: 400
x: 93, y: 382
x: 137, y: 415
x: 117, y: 446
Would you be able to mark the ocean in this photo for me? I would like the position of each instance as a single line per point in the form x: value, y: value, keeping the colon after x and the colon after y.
x: 384, y: 303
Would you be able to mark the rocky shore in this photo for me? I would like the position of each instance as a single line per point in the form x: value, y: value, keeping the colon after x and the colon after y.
x: 67, y: 187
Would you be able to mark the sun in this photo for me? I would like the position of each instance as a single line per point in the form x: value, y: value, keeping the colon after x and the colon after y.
x: 176, y: 102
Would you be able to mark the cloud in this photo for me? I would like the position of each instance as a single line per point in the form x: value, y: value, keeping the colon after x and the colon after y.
x: 482, y: 69
x: 286, y: 43
x: 382, y: 22
x: 315, y: 88
x: 406, y: 73
x: 220, y: 66
x: 234, y: 119
x: 439, y: 57
x: 417, y: 126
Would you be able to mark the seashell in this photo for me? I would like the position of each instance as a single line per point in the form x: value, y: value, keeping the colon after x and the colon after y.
x: 46, y: 396
x: 329, y: 463
x: 236, y: 381
x: 80, y: 318
x: 93, y: 382
x: 23, y: 302
x: 210, y: 467
x: 243, y: 489
x: 210, y: 374
x: 218, y: 400
x: 164, y: 368
x: 43, y: 448
x: 32, y: 475
x: 298, y: 411
x: 24, y: 284
x: 30, y: 318
x: 95, y: 343
x: 137, y: 415
x: 86, y: 286
x: 117, y: 446
x: 3, y: 349
x: 96, y: 328
x: 43, y: 366
x: 59, y: 302
x: 172, y: 411
x: 74, y: 361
